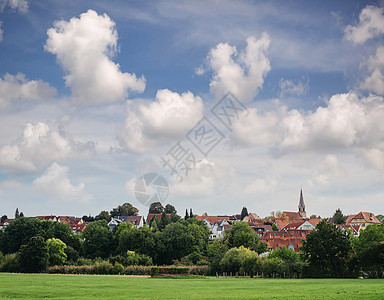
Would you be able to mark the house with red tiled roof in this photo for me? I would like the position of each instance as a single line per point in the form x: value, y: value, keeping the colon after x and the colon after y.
x: 281, y: 223
x: 355, y: 229
x: 292, y: 239
x: 136, y: 221
x: 70, y: 220
x: 5, y: 223
x: 363, y: 219
x: 46, y: 218
x: 77, y: 228
x: 261, y: 229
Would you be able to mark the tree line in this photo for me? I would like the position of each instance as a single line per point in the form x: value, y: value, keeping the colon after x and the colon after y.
x: 32, y: 245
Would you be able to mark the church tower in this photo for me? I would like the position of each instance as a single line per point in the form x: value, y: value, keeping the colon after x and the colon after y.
x: 302, y: 212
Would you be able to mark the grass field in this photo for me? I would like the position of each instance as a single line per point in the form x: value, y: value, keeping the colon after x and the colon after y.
x: 108, y: 287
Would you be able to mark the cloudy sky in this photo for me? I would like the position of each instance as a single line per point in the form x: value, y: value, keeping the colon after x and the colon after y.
x: 94, y: 94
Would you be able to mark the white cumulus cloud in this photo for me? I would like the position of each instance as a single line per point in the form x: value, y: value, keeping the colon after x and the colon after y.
x: 371, y: 25
x: 170, y: 116
x: 55, y: 183
x: 21, y: 6
x: 39, y: 145
x: 239, y: 73
x: 375, y: 80
x: 18, y: 87
x: 84, y: 47
x: 290, y: 87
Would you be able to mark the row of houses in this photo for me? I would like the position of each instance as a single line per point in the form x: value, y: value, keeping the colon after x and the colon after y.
x: 291, y: 228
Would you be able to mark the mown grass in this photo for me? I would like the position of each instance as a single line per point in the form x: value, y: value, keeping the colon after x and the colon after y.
x: 108, y: 287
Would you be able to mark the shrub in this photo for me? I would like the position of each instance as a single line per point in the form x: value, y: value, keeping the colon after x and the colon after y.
x: 104, y: 267
x: 117, y: 268
x: 169, y: 270
x: 11, y: 263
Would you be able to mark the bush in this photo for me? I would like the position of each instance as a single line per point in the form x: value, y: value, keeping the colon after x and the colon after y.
x: 104, y: 267
x: 1, y: 257
x: 117, y: 268
x: 11, y: 263
x: 137, y: 270
x: 169, y: 270
x: 199, y: 270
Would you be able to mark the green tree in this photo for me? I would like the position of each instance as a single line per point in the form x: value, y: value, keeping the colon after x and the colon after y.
x: 127, y: 209
x: 170, y: 209
x: 17, y: 214
x: 240, y: 260
x: 97, y: 239
x: 215, y: 252
x: 380, y: 218
x: 186, y: 214
x: 34, y: 255
x: 156, y: 208
x: 103, y: 215
x: 338, y: 217
x: 328, y: 251
x: 141, y: 240
x: 241, y: 234
x: 164, y: 221
x: 244, y: 213
x: 63, y: 232
x: 3, y: 218
x: 19, y: 232
x: 56, y: 251
x: 274, y: 227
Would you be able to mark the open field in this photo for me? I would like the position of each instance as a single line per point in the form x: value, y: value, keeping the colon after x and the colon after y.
x: 107, y: 287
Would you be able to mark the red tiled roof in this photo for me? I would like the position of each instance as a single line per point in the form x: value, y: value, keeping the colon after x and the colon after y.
x: 278, y: 239
x: 292, y: 215
x: 213, y: 219
x: 78, y: 227
x: 150, y: 216
x: 355, y: 228
x: 293, y: 226
x: 367, y: 216
x: 281, y: 223
x: 254, y: 216
x: 6, y: 221
x: 314, y: 221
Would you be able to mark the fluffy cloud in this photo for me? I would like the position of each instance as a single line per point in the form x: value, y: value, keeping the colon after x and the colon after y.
x: 55, y: 183
x: 345, y: 123
x: 84, y: 47
x: 20, y: 5
x: 20, y: 88
x: 39, y: 145
x: 1, y: 32
x: 371, y: 25
x: 375, y: 81
x: 170, y: 116
x: 289, y: 87
x: 240, y: 73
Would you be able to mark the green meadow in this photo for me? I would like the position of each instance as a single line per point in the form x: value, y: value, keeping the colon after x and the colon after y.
x: 90, y: 287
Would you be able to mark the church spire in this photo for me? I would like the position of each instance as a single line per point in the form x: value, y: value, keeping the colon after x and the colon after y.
x: 302, y: 212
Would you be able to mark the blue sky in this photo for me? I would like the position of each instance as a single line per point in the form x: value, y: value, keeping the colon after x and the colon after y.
x: 94, y: 93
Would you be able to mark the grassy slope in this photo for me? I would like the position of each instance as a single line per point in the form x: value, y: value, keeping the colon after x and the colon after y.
x: 107, y: 287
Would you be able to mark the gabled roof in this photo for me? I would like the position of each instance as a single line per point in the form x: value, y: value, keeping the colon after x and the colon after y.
x: 78, y: 227
x: 6, y: 221
x: 292, y: 215
x: 213, y: 219
x: 135, y: 220
x: 150, y: 216
x: 314, y: 222
x: 367, y: 216
x: 355, y: 228
x: 254, y: 216
x: 293, y: 226
x: 281, y: 223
